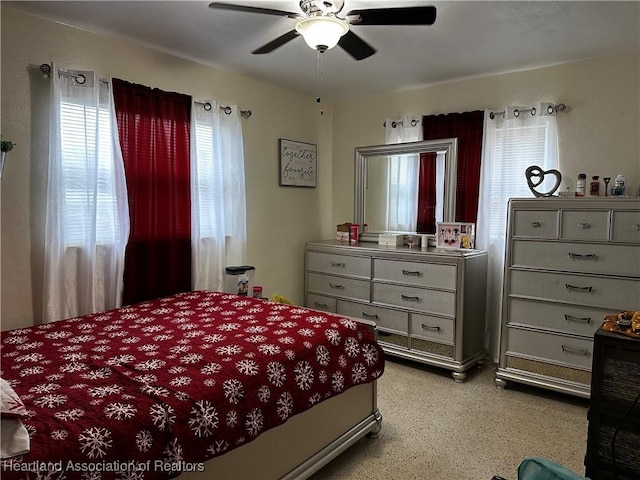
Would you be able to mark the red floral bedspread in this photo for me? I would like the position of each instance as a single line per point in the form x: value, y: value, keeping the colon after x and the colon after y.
x: 154, y: 389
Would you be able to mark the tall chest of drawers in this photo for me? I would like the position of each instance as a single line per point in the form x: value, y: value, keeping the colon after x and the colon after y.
x: 568, y: 262
x: 428, y: 304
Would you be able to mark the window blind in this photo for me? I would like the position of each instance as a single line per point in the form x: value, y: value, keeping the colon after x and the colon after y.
x: 515, y: 149
x: 85, y: 133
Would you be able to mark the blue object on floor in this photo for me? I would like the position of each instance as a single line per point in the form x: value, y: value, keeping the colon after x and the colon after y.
x: 537, y: 468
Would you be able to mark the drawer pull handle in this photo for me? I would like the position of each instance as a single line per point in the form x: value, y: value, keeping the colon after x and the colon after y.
x: 321, y: 305
x: 570, y: 318
x: 409, y: 273
x: 369, y: 316
x: 578, y: 256
x: 575, y: 351
x: 535, y: 224
x: 580, y: 289
x: 637, y: 226
x: 338, y: 264
x: 407, y: 298
x: 584, y: 225
x: 429, y: 327
x: 336, y: 287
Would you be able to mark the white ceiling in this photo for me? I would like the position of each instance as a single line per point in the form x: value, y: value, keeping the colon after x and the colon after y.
x: 469, y: 38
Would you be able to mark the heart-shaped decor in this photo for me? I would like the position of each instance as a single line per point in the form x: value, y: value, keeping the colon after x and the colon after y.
x: 535, y: 176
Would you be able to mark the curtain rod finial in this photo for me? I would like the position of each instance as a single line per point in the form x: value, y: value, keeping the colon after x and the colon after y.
x: 45, y: 68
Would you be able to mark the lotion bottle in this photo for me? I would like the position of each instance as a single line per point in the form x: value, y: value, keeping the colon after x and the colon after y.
x: 582, y: 181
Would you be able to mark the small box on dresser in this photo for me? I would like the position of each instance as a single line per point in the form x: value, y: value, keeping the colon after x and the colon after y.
x: 391, y: 240
x: 568, y: 263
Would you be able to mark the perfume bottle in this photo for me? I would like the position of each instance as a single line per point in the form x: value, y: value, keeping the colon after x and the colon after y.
x: 594, y: 187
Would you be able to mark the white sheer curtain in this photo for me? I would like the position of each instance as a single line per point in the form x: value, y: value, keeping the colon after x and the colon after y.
x: 218, y: 200
x: 511, y: 144
x: 87, y: 216
x: 402, y: 196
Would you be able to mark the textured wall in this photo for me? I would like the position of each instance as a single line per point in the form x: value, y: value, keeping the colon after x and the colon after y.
x: 598, y: 134
x: 280, y: 220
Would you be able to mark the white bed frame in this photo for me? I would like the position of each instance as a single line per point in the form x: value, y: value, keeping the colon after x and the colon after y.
x: 305, y: 443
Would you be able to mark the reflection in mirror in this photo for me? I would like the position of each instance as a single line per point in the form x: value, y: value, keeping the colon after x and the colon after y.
x: 405, y: 187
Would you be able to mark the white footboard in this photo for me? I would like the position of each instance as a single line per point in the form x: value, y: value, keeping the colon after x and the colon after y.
x: 302, y: 445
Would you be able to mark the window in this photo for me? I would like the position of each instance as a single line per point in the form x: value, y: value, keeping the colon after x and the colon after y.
x: 515, y: 148
x: 87, y: 175
x: 402, y: 203
x: 87, y: 218
x: 511, y: 145
x: 208, y: 191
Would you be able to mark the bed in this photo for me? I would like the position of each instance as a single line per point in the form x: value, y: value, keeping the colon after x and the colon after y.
x: 199, y: 384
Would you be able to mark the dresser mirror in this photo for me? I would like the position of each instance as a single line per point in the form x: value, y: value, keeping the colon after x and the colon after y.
x: 387, y: 186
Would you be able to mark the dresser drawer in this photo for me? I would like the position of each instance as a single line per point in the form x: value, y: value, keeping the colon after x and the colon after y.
x: 535, y: 224
x: 412, y: 298
x: 554, y: 348
x: 611, y: 259
x: 338, y: 286
x: 435, y: 329
x: 319, y: 302
x: 386, y: 319
x: 614, y: 293
x: 435, y: 275
x: 626, y: 226
x: 585, y: 225
x: 559, y: 317
x: 339, y: 264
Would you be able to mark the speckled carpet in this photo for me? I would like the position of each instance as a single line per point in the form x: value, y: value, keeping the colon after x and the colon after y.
x: 436, y: 429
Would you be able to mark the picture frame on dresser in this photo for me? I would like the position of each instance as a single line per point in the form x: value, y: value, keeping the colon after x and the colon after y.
x: 455, y: 235
x: 568, y: 263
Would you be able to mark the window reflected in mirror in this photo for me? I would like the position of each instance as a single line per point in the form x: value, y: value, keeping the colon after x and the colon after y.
x: 406, y: 187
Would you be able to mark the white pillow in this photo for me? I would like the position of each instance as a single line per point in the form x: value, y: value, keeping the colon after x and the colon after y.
x: 11, y: 406
x: 15, y: 437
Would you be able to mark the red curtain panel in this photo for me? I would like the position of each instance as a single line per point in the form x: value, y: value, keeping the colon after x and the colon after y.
x: 467, y: 127
x: 153, y: 127
x: 427, y: 194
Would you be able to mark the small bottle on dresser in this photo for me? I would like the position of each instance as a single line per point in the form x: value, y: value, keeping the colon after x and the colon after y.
x: 594, y: 188
x: 618, y: 188
x: 580, y: 186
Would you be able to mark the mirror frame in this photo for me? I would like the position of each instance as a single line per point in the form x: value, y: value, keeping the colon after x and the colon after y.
x: 449, y: 146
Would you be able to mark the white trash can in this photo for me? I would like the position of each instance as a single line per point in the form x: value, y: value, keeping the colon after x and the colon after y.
x: 239, y: 280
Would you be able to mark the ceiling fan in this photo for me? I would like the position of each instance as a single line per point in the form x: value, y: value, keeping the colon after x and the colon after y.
x: 322, y: 28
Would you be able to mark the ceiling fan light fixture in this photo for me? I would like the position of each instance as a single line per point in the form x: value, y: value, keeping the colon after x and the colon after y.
x: 321, y: 32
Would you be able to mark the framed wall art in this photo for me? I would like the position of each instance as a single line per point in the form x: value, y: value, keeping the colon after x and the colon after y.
x: 298, y: 163
x: 455, y: 235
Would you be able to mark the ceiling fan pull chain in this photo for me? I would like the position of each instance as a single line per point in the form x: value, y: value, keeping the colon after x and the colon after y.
x: 319, y: 97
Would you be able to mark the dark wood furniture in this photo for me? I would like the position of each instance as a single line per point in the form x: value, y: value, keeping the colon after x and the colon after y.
x: 613, y: 445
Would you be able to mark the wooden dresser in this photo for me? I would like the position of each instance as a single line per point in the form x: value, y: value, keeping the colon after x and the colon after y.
x: 568, y: 263
x: 613, y: 444
x: 428, y: 304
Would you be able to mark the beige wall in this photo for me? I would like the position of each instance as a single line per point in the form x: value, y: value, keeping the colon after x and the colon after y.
x: 599, y: 134
x: 280, y: 219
